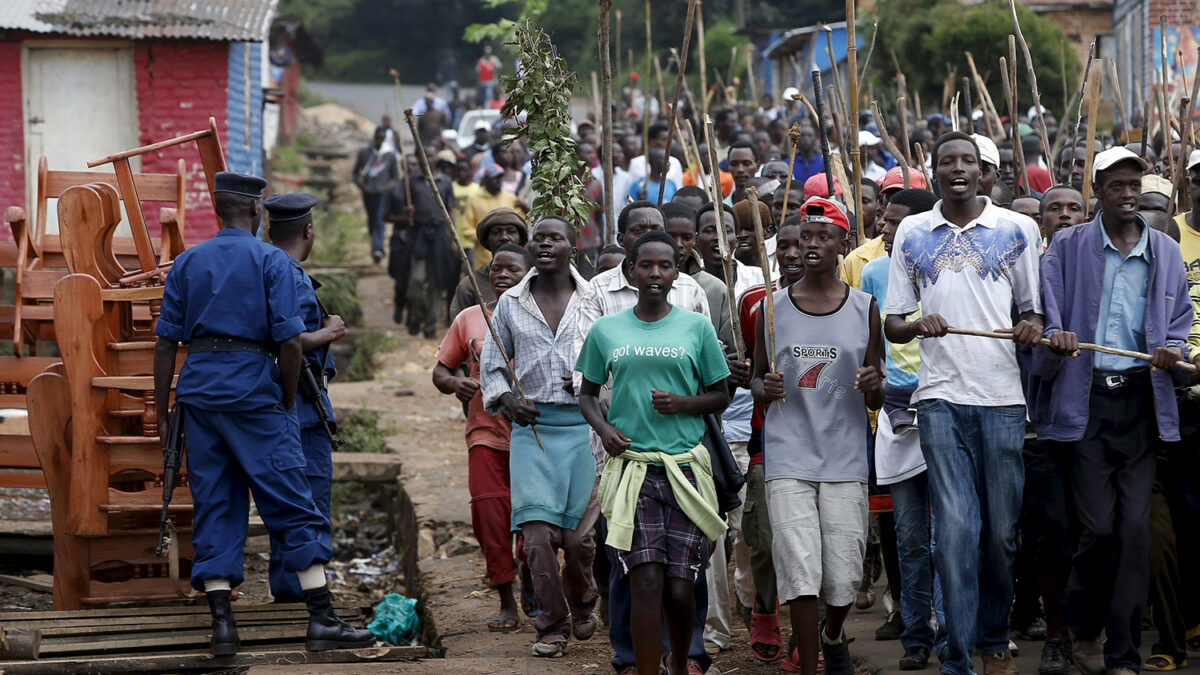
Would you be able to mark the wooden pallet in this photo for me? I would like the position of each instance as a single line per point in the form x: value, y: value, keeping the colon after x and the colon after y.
x: 174, y: 638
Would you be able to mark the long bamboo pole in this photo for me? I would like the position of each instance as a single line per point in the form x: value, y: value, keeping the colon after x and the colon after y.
x: 453, y: 232
x: 1168, y: 150
x: 1184, y: 365
x: 1033, y: 83
x: 606, y: 132
x: 703, y: 58
x: 855, y: 159
x: 1116, y: 82
x: 769, y: 300
x: 1093, y: 101
x: 739, y: 344
x: 902, y: 121
x: 673, y: 112
x: 646, y: 97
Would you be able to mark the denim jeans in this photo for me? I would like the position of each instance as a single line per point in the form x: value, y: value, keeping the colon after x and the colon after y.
x: 920, y: 589
x: 973, y: 455
x: 376, y: 206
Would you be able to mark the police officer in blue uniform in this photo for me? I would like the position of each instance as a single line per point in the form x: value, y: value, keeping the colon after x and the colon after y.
x: 291, y: 229
x: 232, y: 300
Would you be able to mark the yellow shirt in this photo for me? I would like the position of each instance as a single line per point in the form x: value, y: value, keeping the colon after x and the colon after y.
x: 466, y: 232
x: 477, y: 207
x: 852, y: 266
x: 1189, y: 245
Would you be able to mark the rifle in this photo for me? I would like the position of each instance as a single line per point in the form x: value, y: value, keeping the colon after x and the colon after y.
x: 311, y: 391
x: 173, y: 451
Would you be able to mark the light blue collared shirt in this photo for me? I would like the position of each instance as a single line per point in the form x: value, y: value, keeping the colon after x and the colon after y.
x: 1122, y: 321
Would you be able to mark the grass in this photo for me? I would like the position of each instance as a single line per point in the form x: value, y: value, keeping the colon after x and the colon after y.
x: 360, y: 431
x: 287, y: 160
x: 368, y: 347
x: 340, y: 237
x: 339, y: 294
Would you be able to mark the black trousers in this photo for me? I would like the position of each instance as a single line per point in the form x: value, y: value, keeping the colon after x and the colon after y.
x: 1112, y: 472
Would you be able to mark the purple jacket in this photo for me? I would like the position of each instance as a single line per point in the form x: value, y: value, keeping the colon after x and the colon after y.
x: 1072, y: 281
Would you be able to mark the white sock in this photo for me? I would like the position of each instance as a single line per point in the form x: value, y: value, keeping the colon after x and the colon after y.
x: 211, y: 585
x: 313, y: 577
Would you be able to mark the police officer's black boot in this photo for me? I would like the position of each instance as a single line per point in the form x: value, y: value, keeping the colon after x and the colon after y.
x: 224, y: 638
x: 326, y: 630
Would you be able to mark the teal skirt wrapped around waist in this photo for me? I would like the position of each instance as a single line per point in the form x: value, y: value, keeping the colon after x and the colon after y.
x: 552, y: 486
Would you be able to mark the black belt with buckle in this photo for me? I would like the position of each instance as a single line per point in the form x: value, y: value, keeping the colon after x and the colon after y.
x: 224, y: 343
x: 1110, y: 380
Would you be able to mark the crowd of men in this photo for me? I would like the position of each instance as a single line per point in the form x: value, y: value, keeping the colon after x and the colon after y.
x: 1018, y: 485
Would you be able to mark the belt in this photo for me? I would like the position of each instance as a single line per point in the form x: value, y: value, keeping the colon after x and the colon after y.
x: 1110, y: 380
x: 224, y: 343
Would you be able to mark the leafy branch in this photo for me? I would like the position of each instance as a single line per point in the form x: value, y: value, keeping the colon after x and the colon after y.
x: 542, y: 92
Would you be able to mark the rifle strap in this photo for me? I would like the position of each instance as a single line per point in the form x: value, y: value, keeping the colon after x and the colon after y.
x: 173, y: 562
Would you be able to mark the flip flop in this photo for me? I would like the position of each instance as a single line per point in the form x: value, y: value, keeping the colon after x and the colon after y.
x: 529, y: 603
x: 1163, y: 663
x: 502, y: 624
x: 764, y: 634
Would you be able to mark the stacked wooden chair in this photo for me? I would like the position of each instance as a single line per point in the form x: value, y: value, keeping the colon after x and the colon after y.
x: 92, y: 415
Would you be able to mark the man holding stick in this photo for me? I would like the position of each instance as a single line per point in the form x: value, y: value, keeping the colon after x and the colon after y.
x: 1116, y: 282
x: 967, y: 263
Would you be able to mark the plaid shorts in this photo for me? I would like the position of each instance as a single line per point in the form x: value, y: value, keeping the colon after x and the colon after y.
x: 662, y: 532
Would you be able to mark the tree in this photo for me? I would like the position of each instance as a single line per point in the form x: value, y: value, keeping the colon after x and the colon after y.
x: 930, y: 39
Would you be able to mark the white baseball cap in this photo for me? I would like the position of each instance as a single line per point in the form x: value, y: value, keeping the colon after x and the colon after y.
x: 867, y: 138
x: 1193, y: 160
x: 1114, y: 156
x: 988, y: 152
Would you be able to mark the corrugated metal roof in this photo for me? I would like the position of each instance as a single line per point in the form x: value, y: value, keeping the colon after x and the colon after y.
x: 234, y: 20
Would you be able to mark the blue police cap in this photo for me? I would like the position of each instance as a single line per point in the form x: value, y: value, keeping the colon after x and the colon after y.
x: 238, y: 184
x: 289, y: 206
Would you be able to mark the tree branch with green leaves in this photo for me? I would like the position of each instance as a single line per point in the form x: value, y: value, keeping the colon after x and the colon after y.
x: 542, y: 93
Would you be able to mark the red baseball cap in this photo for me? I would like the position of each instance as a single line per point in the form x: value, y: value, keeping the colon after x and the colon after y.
x: 895, y: 180
x: 816, y: 186
x: 825, y: 210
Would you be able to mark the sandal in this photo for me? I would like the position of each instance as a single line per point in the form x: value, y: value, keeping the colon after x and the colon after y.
x: 1193, y: 639
x: 766, y: 643
x: 1163, y: 663
x: 792, y: 663
x: 502, y: 624
x: 529, y: 603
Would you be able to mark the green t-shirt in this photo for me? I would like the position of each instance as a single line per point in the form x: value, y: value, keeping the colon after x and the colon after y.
x: 677, y: 353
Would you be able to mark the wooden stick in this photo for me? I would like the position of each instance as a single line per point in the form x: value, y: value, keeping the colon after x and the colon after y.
x: 855, y: 153
x: 902, y: 121
x: 1062, y: 60
x: 889, y: 144
x: 835, y: 120
x: 919, y: 150
x: 462, y: 254
x: 837, y: 99
x: 1145, y: 128
x: 750, y: 76
x: 739, y: 344
x: 617, y: 49
x: 1142, y: 356
x: 1083, y: 92
x: 793, y: 139
x: 1116, y: 82
x: 1020, y: 175
x: 662, y: 93
x: 703, y: 63
x: 1179, y: 191
x: 595, y: 97
x: 769, y: 300
x: 870, y: 50
x: 687, y: 38
x: 606, y: 133
x: 1189, y: 138
x: 733, y: 52
x: 820, y: 111
x: 1093, y: 102
x: 967, y: 104
x: 917, y: 104
x: 1033, y: 84
x: 400, y: 144
x: 990, y: 114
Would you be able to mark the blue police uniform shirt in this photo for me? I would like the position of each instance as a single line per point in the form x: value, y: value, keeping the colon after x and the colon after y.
x: 1122, y: 320
x: 310, y: 311
x: 231, y: 285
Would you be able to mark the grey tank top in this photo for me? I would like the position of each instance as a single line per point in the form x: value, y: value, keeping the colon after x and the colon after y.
x: 821, y: 433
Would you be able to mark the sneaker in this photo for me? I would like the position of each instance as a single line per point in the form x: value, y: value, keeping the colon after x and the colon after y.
x: 1054, y: 658
x: 837, y: 654
x: 1033, y: 631
x: 1013, y: 649
x: 549, y: 650
x: 584, y: 629
x: 1088, y: 656
x: 377, y: 256
x: 999, y: 664
x: 915, y: 658
x: 891, y: 629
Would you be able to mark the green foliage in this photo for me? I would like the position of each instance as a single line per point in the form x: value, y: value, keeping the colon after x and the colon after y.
x: 502, y: 30
x: 719, y: 39
x: 544, y: 95
x: 368, y: 347
x: 939, y: 32
x: 340, y: 238
x: 360, y: 431
x: 339, y: 294
x: 287, y: 159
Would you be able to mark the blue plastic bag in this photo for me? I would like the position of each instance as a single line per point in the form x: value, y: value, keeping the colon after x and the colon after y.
x: 396, y: 620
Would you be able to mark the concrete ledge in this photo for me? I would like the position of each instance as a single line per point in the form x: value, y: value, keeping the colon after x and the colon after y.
x: 365, y: 467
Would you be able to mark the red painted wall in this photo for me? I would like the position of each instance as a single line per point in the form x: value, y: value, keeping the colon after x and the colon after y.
x: 12, y: 133
x: 179, y: 86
